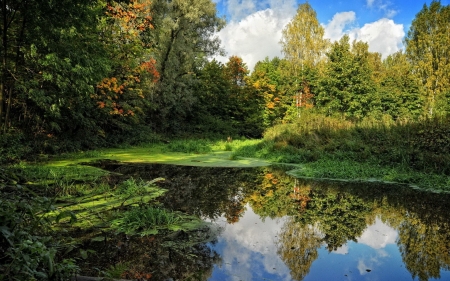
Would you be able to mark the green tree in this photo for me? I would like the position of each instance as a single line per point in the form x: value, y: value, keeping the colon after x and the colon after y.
x: 52, y: 59
x: 347, y: 87
x: 429, y: 52
x: 272, y: 82
x: 302, y: 43
x: 400, y: 90
x: 246, y: 101
x: 213, y: 105
x: 185, y: 37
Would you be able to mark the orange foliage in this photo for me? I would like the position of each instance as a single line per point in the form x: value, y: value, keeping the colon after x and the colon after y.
x: 236, y: 70
x: 150, y: 67
x: 134, y: 16
x: 114, y: 93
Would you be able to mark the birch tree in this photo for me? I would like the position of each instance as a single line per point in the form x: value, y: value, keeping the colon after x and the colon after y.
x: 304, y: 48
x: 427, y: 47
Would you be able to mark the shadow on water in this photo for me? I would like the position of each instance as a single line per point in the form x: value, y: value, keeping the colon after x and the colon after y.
x: 273, y: 226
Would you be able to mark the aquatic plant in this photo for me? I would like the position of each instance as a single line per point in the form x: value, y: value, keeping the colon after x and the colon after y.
x: 144, y: 220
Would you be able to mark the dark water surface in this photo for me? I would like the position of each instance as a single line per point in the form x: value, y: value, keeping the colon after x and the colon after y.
x: 267, y: 225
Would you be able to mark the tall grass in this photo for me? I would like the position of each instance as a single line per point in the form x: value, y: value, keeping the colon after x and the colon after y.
x: 418, y: 145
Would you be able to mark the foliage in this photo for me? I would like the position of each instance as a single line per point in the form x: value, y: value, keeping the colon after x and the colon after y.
x: 347, y: 87
x: 303, y: 42
x: 408, y: 152
x: 185, y: 37
x: 29, y: 248
x: 400, y: 93
x: 428, y: 49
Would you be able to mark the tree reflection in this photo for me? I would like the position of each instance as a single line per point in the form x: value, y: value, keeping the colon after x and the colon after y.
x: 425, y: 248
x: 298, y: 247
x: 340, y: 216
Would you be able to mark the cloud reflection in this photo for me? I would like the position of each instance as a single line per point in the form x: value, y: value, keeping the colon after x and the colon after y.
x: 248, y: 248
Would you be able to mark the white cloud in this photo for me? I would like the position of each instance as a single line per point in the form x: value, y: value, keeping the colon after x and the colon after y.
x: 384, y: 6
x: 238, y: 9
x: 257, y: 35
x: 383, y: 36
x: 335, y: 28
x: 378, y: 235
x: 343, y: 250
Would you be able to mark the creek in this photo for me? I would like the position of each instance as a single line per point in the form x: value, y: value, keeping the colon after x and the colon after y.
x: 266, y: 225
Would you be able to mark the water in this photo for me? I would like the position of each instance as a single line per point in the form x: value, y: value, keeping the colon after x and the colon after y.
x: 266, y: 225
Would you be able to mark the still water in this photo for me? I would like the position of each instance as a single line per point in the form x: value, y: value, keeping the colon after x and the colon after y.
x: 267, y: 225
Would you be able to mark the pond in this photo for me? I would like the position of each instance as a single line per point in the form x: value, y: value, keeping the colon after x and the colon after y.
x: 267, y: 225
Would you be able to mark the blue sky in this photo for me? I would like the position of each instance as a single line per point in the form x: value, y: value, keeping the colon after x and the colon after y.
x: 254, y: 26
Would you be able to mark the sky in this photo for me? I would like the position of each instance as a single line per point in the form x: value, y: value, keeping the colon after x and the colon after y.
x: 253, y: 29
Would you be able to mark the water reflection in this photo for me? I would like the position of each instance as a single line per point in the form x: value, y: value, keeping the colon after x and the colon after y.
x: 280, y: 228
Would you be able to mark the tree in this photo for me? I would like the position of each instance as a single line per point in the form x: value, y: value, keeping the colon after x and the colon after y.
x: 347, y: 87
x: 185, y: 37
x: 246, y: 101
x: 266, y: 79
x: 304, y: 48
x: 302, y: 43
x: 52, y: 59
x: 128, y: 35
x: 429, y: 52
x: 400, y: 91
x: 298, y: 247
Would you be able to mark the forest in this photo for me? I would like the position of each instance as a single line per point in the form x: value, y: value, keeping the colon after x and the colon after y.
x: 79, y: 75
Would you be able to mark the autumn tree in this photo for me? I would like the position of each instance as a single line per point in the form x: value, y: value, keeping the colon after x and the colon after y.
x: 428, y: 49
x: 304, y: 48
x: 123, y: 95
x: 246, y: 101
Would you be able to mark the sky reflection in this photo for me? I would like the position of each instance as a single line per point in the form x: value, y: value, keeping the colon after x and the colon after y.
x: 249, y: 252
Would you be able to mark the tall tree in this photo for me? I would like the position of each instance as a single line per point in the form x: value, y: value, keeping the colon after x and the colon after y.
x: 185, y: 36
x: 246, y: 100
x: 302, y: 42
x: 400, y: 91
x: 427, y: 46
x: 52, y: 59
x: 122, y: 96
x: 304, y: 48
